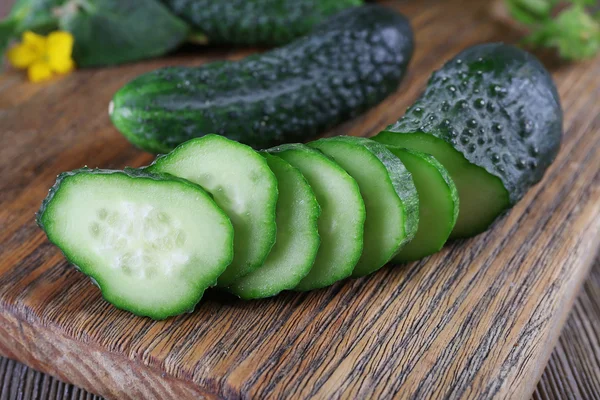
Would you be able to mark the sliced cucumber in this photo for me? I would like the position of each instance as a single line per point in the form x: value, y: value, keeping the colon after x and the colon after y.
x: 482, y: 195
x: 492, y: 117
x: 152, y: 244
x: 241, y: 183
x: 293, y: 255
x: 390, y: 197
x: 342, y: 219
x: 438, y: 204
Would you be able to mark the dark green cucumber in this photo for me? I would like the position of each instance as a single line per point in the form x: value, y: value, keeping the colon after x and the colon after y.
x: 492, y: 117
x: 438, y: 204
x: 349, y: 63
x: 152, y: 243
x: 256, y: 22
x: 390, y: 197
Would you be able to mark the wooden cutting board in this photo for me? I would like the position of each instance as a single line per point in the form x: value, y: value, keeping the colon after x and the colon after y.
x: 477, y: 320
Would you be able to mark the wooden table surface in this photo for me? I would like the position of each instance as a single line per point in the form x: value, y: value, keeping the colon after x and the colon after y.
x: 573, y: 371
x: 478, y: 319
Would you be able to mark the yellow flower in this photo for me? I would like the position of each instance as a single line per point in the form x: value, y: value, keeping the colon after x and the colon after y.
x: 43, y: 57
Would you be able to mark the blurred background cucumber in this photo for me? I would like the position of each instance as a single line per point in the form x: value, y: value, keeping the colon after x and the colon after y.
x: 255, y: 22
x: 110, y: 32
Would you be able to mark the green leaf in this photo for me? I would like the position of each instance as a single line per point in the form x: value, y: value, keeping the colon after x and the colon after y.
x: 530, y: 11
x: 575, y: 34
x: 7, y: 33
x: 584, y: 2
x: 109, y: 32
x: 35, y: 15
x: 27, y: 15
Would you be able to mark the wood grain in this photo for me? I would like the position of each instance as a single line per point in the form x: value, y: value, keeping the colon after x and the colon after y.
x: 477, y: 320
x: 572, y: 372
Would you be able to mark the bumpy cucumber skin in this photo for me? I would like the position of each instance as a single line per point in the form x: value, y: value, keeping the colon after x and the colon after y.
x: 348, y: 64
x: 41, y: 221
x: 256, y: 22
x: 498, y: 106
x: 401, y: 182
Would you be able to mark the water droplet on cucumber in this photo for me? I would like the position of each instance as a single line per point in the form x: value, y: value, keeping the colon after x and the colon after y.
x: 528, y: 127
x: 533, y: 164
x: 534, y: 151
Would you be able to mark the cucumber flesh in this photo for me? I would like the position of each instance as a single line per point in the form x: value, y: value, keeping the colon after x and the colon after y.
x: 295, y: 249
x: 341, y: 224
x: 390, y: 197
x: 497, y: 118
x: 242, y: 184
x: 152, y: 244
x: 482, y: 195
x: 438, y: 204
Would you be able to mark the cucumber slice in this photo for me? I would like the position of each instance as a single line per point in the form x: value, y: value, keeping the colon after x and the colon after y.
x: 390, y: 197
x: 482, y: 195
x: 342, y: 219
x: 293, y: 255
x: 496, y: 107
x: 242, y: 184
x: 152, y: 244
x: 438, y: 204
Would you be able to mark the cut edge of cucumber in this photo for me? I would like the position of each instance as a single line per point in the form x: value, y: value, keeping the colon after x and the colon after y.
x: 483, y: 197
x: 392, y: 218
x: 317, y: 279
x: 87, y: 262
x: 237, y: 269
x: 298, y: 240
x: 438, y: 203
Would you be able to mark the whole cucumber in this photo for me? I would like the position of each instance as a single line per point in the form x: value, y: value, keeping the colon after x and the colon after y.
x: 348, y: 64
x: 256, y: 22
